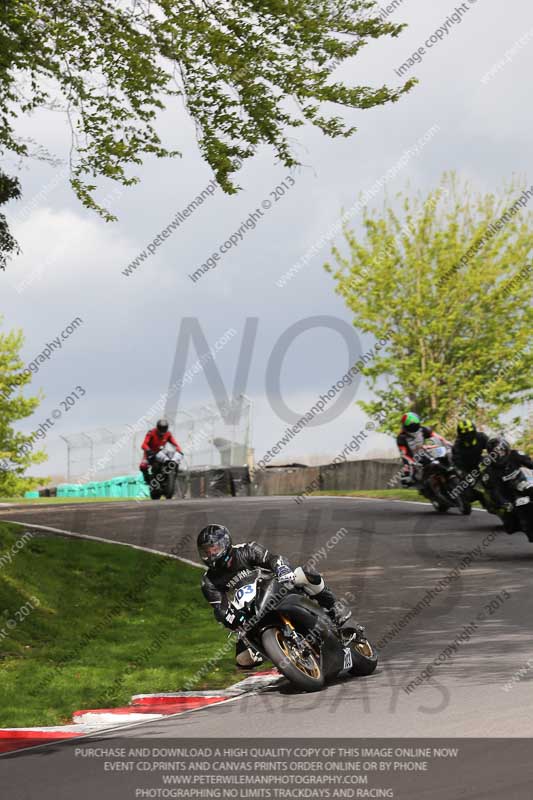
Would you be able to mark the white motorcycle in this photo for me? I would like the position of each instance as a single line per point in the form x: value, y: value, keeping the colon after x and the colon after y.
x: 164, y: 472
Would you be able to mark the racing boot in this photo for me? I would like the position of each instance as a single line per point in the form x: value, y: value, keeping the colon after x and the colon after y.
x: 247, y: 658
x: 337, y: 611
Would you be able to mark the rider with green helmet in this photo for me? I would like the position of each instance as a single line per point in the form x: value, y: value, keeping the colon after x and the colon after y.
x: 410, y: 440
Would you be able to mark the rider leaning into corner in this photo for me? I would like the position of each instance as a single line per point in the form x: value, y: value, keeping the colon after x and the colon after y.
x: 467, y: 455
x: 410, y: 439
x: 225, y: 561
x: 467, y: 451
x: 505, y: 463
x: 155, y: 439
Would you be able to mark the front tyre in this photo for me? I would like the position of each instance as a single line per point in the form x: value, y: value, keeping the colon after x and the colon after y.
x: 171, y: 485
x: 364, y: 659
x: 301, y: 668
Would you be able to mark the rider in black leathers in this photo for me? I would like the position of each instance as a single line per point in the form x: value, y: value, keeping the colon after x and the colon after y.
x: 467, y: 451
x: 505, y: 463
x: 228, y: 563
x: 467, y: 456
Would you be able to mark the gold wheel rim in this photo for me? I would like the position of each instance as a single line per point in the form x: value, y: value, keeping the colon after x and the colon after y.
x: 365, y: 648
x: 310, y: 672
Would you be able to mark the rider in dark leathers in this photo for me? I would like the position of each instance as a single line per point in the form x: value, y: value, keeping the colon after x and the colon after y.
x: 505, y: 463
x: 467, y: 451
x: 467, y: 456
x: 228, y: 563
x: 410, y: 439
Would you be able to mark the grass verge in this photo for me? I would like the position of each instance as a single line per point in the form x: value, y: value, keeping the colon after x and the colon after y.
x: 383, y: 494
x: 45, y: 500
x: 101, y: 622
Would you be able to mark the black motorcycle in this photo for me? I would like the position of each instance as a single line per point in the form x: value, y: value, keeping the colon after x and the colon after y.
x: 477, y: 488
x: 440, y: 482
x: 163, y: 472
x: 517, y: 515
x: 288, y: 628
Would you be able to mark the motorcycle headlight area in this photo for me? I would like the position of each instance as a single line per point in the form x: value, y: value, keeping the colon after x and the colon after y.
x: 439, y: 452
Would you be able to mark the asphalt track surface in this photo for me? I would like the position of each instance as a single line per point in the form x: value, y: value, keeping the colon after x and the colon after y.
x: 390, y: 555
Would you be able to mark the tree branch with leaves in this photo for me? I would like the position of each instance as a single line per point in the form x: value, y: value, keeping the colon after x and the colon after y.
x: 248, y: 71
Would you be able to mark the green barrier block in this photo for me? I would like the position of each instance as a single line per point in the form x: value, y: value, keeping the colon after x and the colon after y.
x: 116, y: 486
x: 141, y: 488
x: 31, y: 494
x: 131, y: 486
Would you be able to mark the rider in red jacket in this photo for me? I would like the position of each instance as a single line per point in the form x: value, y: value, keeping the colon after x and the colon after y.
x: 154, y: 440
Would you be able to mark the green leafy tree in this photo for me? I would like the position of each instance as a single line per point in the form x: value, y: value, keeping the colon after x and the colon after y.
x: 524, y: 437
x: 17, y: 450
x: 9, y: 190
x: 449, y: 277
x: 247, y: 71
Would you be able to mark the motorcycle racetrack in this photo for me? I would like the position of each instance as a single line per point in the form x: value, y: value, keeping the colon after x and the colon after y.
x: 445, y: 598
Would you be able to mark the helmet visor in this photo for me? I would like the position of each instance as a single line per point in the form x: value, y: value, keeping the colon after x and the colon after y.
x: 499, y: 450
x: 210, y: 552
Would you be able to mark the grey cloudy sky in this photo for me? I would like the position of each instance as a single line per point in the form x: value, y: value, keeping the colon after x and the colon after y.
x: 72, y: 261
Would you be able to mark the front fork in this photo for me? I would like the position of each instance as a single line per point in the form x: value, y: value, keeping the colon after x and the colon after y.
x: 304, y: 644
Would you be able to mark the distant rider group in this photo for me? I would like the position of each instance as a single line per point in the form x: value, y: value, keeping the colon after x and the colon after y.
x: 475, y: 467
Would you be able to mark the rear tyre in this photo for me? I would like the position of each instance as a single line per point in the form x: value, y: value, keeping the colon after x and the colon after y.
x: 306, y: 674
x: 365, y: 660
x: 155, y: 494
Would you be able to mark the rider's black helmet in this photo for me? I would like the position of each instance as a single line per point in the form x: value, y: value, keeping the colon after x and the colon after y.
x: 499, y: 449
x: 214, y: 545
x: 466, y: 431
x: 162, y: 425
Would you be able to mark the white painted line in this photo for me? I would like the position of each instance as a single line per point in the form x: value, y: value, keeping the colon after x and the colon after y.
x: 102, y: 540
x: 73, y: 728
x: 380, y: 500
x: 100, y: 719
x: 201, y: 693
